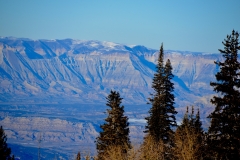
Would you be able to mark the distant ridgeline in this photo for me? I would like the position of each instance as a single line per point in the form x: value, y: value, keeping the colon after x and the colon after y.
x: 75, y: 71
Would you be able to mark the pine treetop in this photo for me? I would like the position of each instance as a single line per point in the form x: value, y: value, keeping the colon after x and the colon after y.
x: 115, y: 130
x: 162, y: 113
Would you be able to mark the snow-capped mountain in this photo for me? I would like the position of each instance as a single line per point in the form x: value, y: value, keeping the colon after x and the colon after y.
x: 74, y: 71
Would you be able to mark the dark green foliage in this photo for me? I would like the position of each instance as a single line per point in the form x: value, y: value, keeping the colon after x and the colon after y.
x: 185, y: 121
x: 115, y: 131
x: 5, y: 152
x: 224, y: 131
x: 169, y: 97
x: 162, y: 113
x: 197, y: 122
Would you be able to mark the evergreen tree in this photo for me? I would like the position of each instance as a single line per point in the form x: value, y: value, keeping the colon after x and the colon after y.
x: 198, y: 123
x: 162, y: 113
x: 5, y: 151
x: 169, y: 96
x: 185, y: 121
x: 224, y: 131
x: 115, y: 130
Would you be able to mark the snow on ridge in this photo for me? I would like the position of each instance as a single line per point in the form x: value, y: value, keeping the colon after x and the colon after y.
x: 76, y: 41
x: 109, y: 44
x: 209, y: 53
x: 131, y: 45
x: 94, y: 44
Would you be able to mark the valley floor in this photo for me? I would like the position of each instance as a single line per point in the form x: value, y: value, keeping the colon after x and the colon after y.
x: 61, y: 130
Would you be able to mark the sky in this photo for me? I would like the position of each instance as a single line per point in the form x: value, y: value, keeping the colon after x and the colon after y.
x: 185, y: 25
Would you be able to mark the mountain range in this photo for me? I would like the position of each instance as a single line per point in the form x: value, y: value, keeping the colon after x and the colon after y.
x: 53, y: 91
x: 75, y: 71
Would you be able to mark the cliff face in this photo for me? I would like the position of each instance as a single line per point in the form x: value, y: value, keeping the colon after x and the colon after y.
x: 73, y: 71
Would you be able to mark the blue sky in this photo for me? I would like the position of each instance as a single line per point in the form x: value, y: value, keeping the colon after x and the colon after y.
x: 187, y: 25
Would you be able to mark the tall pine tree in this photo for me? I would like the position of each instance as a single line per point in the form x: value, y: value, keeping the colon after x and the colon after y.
x: 169, y: 96
x: 162, y: 113
x: 115, y: 130
x: 224, y: 131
